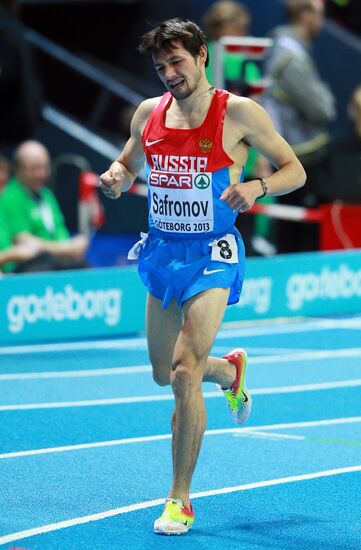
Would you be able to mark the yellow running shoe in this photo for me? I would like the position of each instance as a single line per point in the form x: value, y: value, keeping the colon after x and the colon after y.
x: 176, y: 518
x: 239, y: 401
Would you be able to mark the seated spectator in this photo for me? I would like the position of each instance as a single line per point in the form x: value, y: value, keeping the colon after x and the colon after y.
x: 10, y: 253
x: 33, y: 216
x: 4, y: 171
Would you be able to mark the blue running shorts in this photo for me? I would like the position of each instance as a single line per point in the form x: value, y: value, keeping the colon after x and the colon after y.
x: 181, y: 268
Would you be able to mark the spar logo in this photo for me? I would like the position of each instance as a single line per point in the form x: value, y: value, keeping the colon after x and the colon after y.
x: 202, y: 181
x: 170, y: 180
x: 178, y: 180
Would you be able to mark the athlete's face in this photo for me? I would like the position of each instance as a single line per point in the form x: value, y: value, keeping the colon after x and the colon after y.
x: 179, y: 71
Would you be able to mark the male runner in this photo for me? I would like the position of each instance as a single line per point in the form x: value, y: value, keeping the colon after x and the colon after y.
x: 195, y: 140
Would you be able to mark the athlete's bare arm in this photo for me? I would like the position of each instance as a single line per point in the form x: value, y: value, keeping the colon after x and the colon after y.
x: 123, y: 171
x: 248, y: 123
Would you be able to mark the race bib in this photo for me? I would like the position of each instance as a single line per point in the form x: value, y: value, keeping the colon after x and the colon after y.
x: 181, y: 202
x: 225, y: 249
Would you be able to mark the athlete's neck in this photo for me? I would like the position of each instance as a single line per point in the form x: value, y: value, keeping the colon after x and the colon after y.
x: 200, y: 98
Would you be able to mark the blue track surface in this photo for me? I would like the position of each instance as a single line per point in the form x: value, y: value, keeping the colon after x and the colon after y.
x: 73, y: 416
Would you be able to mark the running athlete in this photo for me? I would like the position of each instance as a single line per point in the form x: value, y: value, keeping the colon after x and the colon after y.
x: 194, y: 140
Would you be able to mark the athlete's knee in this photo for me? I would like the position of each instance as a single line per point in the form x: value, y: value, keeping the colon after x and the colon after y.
x: 186, y: 374
x: 161, y: 379
x: 161, y: 376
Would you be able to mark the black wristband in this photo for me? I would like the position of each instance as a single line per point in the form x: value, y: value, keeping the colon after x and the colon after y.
x: 264, y: 187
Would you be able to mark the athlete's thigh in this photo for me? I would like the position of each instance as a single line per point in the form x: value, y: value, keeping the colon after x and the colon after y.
x: 162, y: 327
x: 203, y: 315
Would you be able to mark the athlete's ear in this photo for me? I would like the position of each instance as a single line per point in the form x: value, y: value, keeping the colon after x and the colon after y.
x: 203, y: 52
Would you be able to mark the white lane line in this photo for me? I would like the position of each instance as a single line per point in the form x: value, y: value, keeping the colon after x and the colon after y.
x: 277, y: 481
x: 12, y: 537
x: 140, y: 343
x: 170, y: 397
x: 145, y: 439
x: 307, y: 356
x: 285, y: 357
x: 75, y: 373
x: 263, y: 351
x: 134, y: 440
x: 126, y: 343
x: 81, y: 447
x: 308, y: 387
x: 266, y: 435
x: 287, y: 326
x: 353, y: 321
x: 306, y: 424
x: 88, y: 403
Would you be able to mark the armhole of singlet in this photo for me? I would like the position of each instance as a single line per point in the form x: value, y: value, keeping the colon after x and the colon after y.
x: 155, y: 111
x: 220, y: 127
x: 212, y: 108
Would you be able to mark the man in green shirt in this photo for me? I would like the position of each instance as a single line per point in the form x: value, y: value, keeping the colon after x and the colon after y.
x: 11, y: 253
x: 32, y: 214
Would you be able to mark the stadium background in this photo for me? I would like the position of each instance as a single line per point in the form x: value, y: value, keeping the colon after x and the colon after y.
x: 103, y: 36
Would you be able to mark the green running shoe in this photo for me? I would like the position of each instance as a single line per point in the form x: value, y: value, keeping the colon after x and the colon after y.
x: 239, y: 401
x: 176, y: 518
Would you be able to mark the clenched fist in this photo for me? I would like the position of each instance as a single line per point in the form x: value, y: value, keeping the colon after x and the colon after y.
x: 241, y: 196
x: 111, y: 181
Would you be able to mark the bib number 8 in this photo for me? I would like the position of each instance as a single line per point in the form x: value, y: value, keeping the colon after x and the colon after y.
x: 225, y: 250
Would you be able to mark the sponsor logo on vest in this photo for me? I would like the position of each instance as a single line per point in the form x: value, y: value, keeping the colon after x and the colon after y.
x: 202, y: 181
x: 170, y: 180
x: 205, y: 145
x: 149, y: 143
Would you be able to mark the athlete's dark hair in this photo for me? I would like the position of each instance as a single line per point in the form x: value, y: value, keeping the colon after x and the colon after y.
x: 161, y: 37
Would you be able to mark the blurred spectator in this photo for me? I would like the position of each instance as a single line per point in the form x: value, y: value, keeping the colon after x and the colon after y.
x: 20, y: 94
x: 229, y: 18
x: 4, y: 171
x: 352, y: 143
x: 10, y: 253
x: 34, y: 217
x: 343, y: 181
x: 301, y: 106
